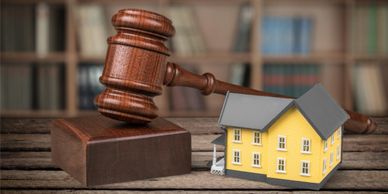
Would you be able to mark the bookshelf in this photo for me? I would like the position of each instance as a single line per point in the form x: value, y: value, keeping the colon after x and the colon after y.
x: 331, y: 47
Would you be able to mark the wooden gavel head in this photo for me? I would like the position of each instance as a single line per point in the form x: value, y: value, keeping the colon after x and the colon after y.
x: 135, y: 66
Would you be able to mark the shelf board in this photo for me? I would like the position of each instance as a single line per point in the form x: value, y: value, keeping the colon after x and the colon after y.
x: 369, y: 57
x: 303, y: 58
x: 188, y: 113
x: 33, y: 1
x: 31, y: 57
x: 221, y: 58
x: 34, y: 113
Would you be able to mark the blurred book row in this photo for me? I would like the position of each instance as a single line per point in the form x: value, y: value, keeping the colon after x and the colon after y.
x: 32, y: 28
x: 41, y: 28
x: 32, y: 86
x: 369, y: 26
x: 370, y: 87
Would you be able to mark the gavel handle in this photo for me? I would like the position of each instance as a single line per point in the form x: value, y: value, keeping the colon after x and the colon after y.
x: 208, y: 84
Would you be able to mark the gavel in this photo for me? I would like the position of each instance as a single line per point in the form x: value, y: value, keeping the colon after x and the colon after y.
x: 136, y: 68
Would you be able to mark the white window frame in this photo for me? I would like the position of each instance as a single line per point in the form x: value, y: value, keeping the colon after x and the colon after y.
x: 234, y: 135
x: 338, y: 152
x: 254, y: 138
x: 258, y: 159
x: 331, y: 159
x: 234, y: 151
x: 339, y: 133
x: 324, y: 166
x: 332, y: 139
x: 284, y: 165
x: 303, y: 146
x: 285, y: 143
x: 302, y: 167
x: 324, y: 145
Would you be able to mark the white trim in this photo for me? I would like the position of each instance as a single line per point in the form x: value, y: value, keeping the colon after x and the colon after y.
x: 332, y: 139
x: 331, y: 159
x: 324, y: 145
x: 277, y: 165
x: 339, y: 133
x: 285, y: 143
x: 309, y: 146
x: 253, y: 159
x: 253, y: 138
x: 338, y: 152
x: 308, y: 167
x: 233, y: 156
x: 234, y: 135
x: 324, y: 166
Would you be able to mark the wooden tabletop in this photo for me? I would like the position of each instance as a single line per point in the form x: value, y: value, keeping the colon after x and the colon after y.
x: 26, y: 165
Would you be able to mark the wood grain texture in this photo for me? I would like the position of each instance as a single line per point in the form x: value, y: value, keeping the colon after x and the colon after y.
x: 26, y: 166
x: 195, y: 125
x: 247, y: 191
x: 366, y: 180
x: 200, y: 161
x: 97, y: 150
x: 41, y: 142
x: 136, y: 68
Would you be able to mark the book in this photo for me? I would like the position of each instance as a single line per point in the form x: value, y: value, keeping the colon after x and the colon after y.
x: 42, y: 29
x: 50, y: 82
x: 188, y: 39
x: 368, y: 29
x: 92, y: 30
x: 290, y: 79
x: 16, y: 91
x: 242, y: 38
x: 368, y: 89
x: 89, y: 85
x: 17, y: 28
x: 282, y: 35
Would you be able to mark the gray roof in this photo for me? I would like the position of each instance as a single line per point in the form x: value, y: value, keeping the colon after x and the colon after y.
x: 321, y: 110
x: 220, y: 140
x: 259, y: 112
x: 250, y: 111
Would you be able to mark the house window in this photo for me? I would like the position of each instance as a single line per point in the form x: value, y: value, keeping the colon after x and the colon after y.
x: 338, y: 152
x: 332, y: 139
x: 325, y: 146
x: 236, y: 157
x: 256, y: 159
x: 281, y: 165
x: 324, y: 166
x: 331, y: 158
x: 306, y: 145
x: 305, y: 168
x: 256, y: 138
x: 237, y: 135
x: 282, y: 143
x: 339, y: 132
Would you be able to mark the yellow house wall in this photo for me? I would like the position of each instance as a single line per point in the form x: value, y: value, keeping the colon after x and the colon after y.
x: 294, y: 126
x: 326, y: 154
x: 246, y: 149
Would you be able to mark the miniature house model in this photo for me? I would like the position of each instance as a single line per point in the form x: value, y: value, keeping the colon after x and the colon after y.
x: 290, y: 142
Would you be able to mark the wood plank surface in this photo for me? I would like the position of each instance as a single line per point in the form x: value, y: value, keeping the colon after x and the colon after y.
x: 200, y: 160
x: 195, y: 125
x: 26, y: 164
x: 363, y: 180
x: 41, y: 142
x: 247, y: 191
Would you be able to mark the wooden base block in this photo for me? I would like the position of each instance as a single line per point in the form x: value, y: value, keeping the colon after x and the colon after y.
x: 97, y: 150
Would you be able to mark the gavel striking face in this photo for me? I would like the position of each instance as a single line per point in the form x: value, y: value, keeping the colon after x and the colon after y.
x: 136, y: 68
